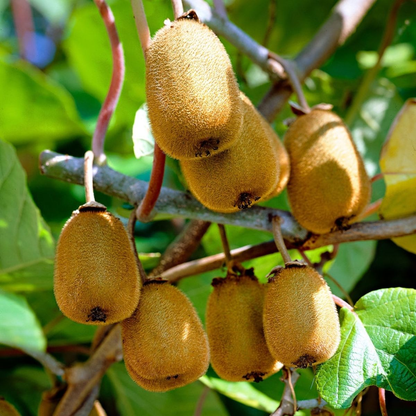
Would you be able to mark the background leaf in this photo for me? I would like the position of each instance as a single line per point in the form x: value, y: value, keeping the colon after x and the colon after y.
x: 378, y: 346
x: 19, y: 327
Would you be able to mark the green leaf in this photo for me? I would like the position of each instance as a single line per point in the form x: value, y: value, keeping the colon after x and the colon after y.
x: 378, y: 346
x: 26, y: 245
x: 243, y: 392
x: 352, y: 261
x: 19, y: 327
x: 132, y: 400
x: 37, y: 108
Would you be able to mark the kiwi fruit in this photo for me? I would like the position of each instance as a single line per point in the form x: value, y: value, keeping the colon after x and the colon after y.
x: 234, y: 324
x: 240, y: 176
x: 328, y: 183
x: 96, y: 279
x: 7, y: 409
x: 192, y: 94
x: 300, y: 319
x: 164, y: 343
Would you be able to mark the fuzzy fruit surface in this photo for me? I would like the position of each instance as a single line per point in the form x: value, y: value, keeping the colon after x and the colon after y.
x: 239, y: 177
x: 7, y: 409
x: 192, y: 94
x: 300, y: 319
x: 164, y: 343
x: 235, y: 329
x: 96, y: 279
x: 328, y: 183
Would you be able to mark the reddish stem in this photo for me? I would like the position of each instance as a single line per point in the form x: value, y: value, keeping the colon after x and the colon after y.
x: 342, y: 304
x: 23, y: 23
x: 368, y: 210
x: 117, y: 78
x: 382, y: 400
x: 155, y: 185
x: 377, y: 177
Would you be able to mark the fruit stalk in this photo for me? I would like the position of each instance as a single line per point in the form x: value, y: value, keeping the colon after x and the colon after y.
x: 225, y: 246
x: 278, y: 239
x: 88, y: 176
x: 117, y: 79
x: 141, y: 25
x: 177, y: 7
x: 130, y: 231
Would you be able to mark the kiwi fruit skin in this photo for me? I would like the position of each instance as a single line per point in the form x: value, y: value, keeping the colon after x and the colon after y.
x: 192, y: 94
x: 96, y: 279
x: 300, y: 319
x: 164, y: 343
x: 241, y: 176
x: 328, y: 183
x: 7, y: 409
x: 234, y: 321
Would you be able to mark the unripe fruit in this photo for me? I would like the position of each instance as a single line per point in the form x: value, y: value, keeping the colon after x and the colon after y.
x: 164, y: 344
x: 7, y: 409
x: 193, y: 98
x: 328, y: 183
x: 300, y: 319
x: 240, y: 176
x: 235, y: 329
x: 96, y: 277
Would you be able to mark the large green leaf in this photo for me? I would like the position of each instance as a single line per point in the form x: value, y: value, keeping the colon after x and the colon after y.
x: 378, y: 346
x: 37, y: 109
x: 132, y: 400
x: 26, y: 245
x: 19, y: 327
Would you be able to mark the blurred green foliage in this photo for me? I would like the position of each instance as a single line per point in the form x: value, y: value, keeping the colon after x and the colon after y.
x: 55, y: 105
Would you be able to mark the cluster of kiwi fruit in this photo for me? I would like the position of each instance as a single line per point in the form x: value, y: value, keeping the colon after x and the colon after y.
x: 230, y: 157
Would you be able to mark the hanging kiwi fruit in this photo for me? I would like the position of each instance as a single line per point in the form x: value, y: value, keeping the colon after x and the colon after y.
x: 328, y: 183
x: 164, y: 343
x: 192, y: 94
x: 240, y: 176
x: 301, y: 323
x: 96, y: 279
x: 234, y: 324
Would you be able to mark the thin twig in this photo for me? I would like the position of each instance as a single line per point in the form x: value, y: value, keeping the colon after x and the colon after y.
x: 278, y: 239
x: 48, y: 361
x: 182, y: 247
x: 292, y: 389
x: 88, y: 176
x: 382, y: 401
x: 339, y: 286
x: 220, y: 9
x: 144, y: 211
x: 271, y: 22
x: 370, y: 75
x: 83, y: 378
x: 341, y: 303
x: 141, y: 25
x: 287, y: 406
x: 370, y: 209
x: 305, y: 257
x: 117, y: 79
x: 293, y: 79
x: 23, y: 24
x: 377, y: 177
x: 177, y: 7
x: 130, y: 229
x: 201, y: 401
x: 225, y: 246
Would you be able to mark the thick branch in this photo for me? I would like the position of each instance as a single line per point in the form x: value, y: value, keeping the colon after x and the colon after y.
x: 170, y: 202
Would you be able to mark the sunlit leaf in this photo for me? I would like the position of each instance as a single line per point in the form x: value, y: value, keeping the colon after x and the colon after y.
x: 37, y: 108
x: 378, y: 346
x: 25, y: 240
x: 143, y: 141
x: 398, y: 163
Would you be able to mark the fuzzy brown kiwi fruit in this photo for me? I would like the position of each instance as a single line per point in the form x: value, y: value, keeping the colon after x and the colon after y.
x: 192, y: 95
x: 283, y: 159
x: 240, y: 176
x: 96, y: 278
x: 7, y: 409
x: 234, y: 324
x: 328, y: 183
x: 164, y: 343
x: 300, y: 319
